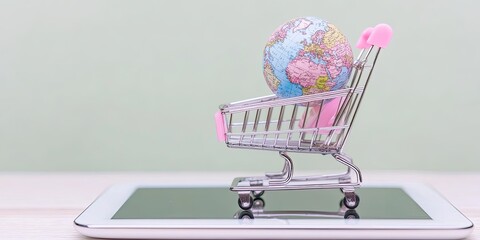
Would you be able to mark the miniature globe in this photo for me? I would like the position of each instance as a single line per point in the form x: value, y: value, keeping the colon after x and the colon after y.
x: 305, y: 56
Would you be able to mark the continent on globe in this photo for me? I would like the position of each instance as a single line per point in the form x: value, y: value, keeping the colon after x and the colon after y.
x: 305, y: 56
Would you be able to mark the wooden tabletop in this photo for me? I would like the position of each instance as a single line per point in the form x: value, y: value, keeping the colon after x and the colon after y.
x: 44, y: 205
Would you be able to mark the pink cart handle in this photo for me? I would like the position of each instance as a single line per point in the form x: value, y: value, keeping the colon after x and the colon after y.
x: 362, y: 41
x: 221, y: 134
x: 381, y: 35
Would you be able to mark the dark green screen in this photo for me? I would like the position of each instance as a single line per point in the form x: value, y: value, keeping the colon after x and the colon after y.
x: 220, y: 203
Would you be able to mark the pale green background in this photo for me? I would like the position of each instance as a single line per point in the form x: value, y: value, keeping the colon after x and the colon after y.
x: 133, y: 85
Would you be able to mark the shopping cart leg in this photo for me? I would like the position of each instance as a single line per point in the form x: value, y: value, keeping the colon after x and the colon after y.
x: 276, y: 175
x: 343, y: 159
x: 351, y: 200
x: 288, y: 169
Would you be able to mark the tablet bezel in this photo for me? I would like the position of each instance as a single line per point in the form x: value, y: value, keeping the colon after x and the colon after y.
x: 98, y: 215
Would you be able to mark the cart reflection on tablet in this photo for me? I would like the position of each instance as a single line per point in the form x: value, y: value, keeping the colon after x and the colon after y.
x: 317, y: 123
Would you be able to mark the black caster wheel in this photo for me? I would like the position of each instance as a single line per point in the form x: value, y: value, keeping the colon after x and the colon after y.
x: 245, y: 215
x: 351, y: 214
x: 351, y: 204
x: 245, y: 205
x: 257, y: 193
x: 258, y: 203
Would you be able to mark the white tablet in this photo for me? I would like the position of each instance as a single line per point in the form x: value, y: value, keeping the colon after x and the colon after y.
x: 386, y: 211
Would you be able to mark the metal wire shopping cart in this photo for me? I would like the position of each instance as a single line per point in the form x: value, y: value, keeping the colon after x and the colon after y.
x: 272, y: 123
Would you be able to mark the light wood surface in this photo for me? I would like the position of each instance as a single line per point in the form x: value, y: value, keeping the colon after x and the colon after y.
x: 44, y: 205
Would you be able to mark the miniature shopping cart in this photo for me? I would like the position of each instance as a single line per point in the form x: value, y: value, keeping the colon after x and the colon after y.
x: 295, y: 125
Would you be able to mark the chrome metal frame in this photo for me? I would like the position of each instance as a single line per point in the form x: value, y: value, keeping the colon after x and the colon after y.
x: 271, y: 123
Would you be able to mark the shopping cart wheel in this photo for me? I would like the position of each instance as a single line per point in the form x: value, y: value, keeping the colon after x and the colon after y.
x: 257, y: 193
x: 351, y: 201
x: 246, y: 204
x: 245, y: 215
x: 351, y: 214
x: 258, y: 203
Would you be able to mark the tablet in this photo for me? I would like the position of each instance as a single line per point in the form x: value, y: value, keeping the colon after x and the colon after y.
x: 159, y: 211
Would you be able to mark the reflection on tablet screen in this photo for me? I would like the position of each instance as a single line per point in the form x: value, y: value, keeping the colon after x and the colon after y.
x: 220, y: 203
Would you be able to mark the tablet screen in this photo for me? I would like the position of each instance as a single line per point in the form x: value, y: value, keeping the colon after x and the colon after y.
x: 221, y: 203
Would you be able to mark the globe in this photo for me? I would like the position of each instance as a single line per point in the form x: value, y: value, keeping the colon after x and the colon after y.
x: 305, y: 56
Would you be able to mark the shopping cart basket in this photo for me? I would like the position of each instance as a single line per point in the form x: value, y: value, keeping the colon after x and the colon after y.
x: 272, y: 123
